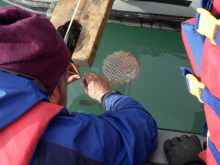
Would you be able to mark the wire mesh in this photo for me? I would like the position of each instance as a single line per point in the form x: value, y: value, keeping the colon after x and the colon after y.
x: 120, y: 67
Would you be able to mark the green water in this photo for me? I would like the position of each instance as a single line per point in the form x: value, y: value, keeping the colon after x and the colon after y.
x: 3, y: 3
x: 159, y: 86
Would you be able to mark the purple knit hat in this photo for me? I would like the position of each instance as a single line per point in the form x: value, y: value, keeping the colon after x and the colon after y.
x: 30, y: 44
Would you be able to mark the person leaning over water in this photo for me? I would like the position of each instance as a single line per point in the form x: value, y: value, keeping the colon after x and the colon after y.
x: 36, y: 128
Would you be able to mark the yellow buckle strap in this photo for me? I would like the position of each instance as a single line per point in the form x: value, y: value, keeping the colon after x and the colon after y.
x: 194, y: 86
x: 208, y: 24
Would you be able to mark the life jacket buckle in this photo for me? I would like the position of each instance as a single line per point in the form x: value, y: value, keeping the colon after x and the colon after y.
x: 208, y: 24
x: 195, y: 86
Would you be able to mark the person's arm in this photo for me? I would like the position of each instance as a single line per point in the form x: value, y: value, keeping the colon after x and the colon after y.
x: 124, y: 135
x: 135, y: 127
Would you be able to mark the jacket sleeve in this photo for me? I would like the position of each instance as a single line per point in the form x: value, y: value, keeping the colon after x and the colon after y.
x: 125, y: 134
x: 136, y: 127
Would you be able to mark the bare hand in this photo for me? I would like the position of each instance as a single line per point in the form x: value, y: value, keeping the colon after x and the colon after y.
x: 95, y: 86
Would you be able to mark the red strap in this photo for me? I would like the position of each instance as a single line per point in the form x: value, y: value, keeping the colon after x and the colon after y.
x: 19, y: 139
x: 207, y: 157
x: 215, y: 7
x: 210, y: 70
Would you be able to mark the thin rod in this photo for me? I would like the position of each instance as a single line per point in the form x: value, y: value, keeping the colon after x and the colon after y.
x: 76, y: 70
x: 67, y: 33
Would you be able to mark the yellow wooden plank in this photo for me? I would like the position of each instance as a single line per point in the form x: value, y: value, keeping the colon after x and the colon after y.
x: 93, y: 16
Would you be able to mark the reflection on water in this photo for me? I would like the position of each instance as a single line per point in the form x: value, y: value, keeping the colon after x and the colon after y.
x: 199, y: 121
x: 84, y: 104
x: 159, y: 86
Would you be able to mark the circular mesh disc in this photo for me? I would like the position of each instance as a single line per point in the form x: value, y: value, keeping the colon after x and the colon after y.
x: 120, y: 67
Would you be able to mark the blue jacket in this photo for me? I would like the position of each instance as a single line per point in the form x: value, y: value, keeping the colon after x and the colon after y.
x: 125, y: 134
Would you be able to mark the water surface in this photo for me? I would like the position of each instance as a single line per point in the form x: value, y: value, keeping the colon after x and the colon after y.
x: 159, y: 86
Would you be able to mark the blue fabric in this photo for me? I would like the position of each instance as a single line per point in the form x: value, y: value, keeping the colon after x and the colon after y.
x: 66, y: 156
x: 205, y: 130
x: 196, y: 42
x: 12, y: 89
x: 217, y: 38
x: 197, y: 17
x: 217, y: 15
x: 206, y: 96
x: 207, y: 4
x: 125, y: 134
x: 185, y: 72
x: 211, y: 100
x: 214, y: 151
x: 124, y: 137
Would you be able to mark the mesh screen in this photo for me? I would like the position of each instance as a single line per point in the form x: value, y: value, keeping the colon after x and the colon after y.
x: 120, y: 67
